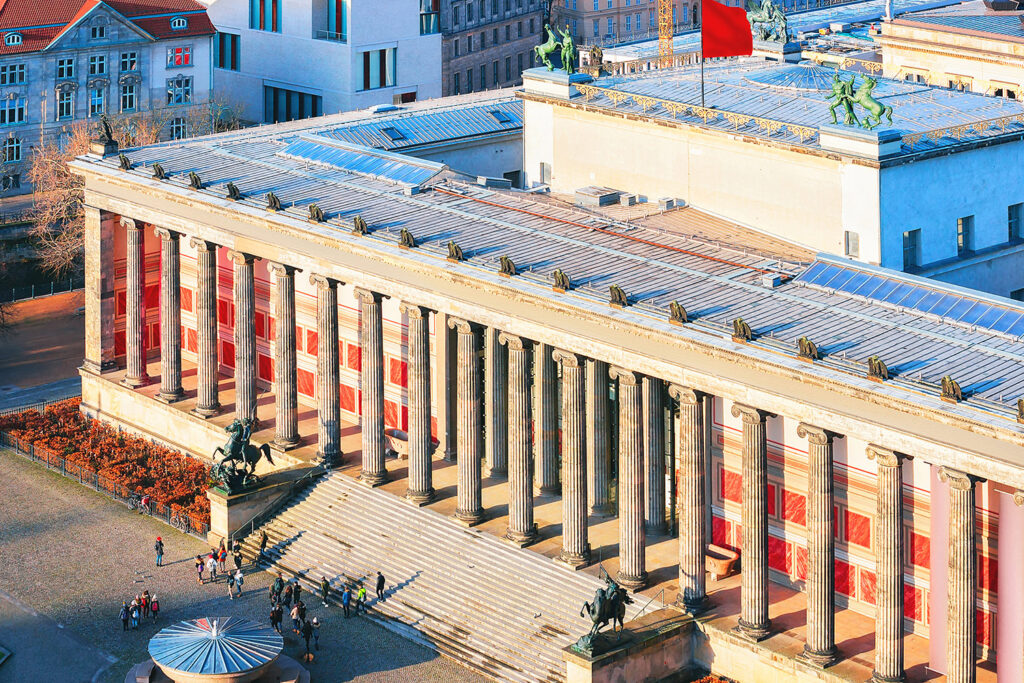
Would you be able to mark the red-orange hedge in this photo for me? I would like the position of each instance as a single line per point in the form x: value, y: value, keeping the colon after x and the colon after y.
x: 130, y: 463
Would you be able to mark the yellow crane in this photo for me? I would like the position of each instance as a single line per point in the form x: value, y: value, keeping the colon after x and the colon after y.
x: 665, y: 31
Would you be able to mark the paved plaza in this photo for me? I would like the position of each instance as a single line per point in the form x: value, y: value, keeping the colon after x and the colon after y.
x: 69, y: 556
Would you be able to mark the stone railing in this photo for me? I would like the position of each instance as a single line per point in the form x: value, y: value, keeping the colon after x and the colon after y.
x: 963, y: 130
x: 634, y: 66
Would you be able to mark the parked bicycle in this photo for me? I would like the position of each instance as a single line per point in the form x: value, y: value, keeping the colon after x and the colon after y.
x: 141, y: 503
x: 181, y: 522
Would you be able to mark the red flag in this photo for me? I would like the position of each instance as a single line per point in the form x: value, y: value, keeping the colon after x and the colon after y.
x: 725, y: 31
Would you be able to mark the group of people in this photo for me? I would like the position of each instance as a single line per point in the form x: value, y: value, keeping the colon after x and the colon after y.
x: 286, y: 597
x: 217, y: 562
x: 141, y: 607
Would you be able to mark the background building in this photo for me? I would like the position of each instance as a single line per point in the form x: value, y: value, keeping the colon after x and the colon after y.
x: 69, y: 61
x: 488, y: 43
x: 606, y: 22
x: 281, y: 60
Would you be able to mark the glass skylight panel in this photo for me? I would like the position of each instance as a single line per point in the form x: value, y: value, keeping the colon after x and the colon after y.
x: 913, y: 297
x: 963, y: 309
x: 841, y: 277
x: 393, y: 133
x: 884, y: 289
x: 990, y: 316
x: 1017, y: 329
x: 1007, y: 321
x: 899, y: 293
x: 928, y: 302
x: 855, y: 283
x: 500, y: 116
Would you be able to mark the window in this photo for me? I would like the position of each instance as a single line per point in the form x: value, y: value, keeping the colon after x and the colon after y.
x: 65, y: 68
x: 455, y: 16
x: 596, y: 5
x: 12, y: 74
x: 1017, y: 295
x: 508, y: 32
x: 483, y: 39
x: 379, y: 68
x: 964, y: 235
x: 1014, y: 219
x: 611, y: 26
x: 179, y: 23
x: 179, y: 56
x: 97, y: 65
x: 494, y: 6
x: 265, y: 15
x: 12, y: 39
x: 469, y: 80
x: 508, y: 68
x: 97, y: 101
x: 532, y: 26
x: 519, y: 29
x: 469, y: 12
x: 494, y: 37
x: 851, y: 245
x: 392, y: 133
x: 519, y: 64
x: 11, y: 182
x: 483, y: 77
x: 98, y: 32
x: 225, y: 48
x: 65, y: 104
x: 629, y: 23
x: 430, y: 12
x: 455, y: 47
x: 455, y: 84
x: 597, y: 30
x: 12, y: 111
x: 280, y: 104
x: 128, y: 99
x: 11, y: 150
x: 911, y: 249
x: 179, y: 128
x: 179, y: 90
x: 129, y: 61
x: 469, y: 44
x: 494, y: 73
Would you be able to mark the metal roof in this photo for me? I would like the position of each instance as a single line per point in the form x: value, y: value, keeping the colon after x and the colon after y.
x: 215, y: 646
x: 362, y: 160
x: 997, y: 24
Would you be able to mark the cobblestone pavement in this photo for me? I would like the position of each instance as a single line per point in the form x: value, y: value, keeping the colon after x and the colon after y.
x: 69, y: 556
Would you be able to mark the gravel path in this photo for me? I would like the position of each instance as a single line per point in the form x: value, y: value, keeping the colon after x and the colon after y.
x: 69, y: 556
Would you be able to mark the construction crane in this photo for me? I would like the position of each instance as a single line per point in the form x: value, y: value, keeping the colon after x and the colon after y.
x: 665, y: 32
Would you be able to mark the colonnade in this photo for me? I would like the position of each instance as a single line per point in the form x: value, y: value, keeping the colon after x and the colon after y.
x: 512, y: 447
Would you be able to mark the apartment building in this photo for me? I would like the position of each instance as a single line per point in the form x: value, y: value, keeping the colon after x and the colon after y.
x: 607, y: 22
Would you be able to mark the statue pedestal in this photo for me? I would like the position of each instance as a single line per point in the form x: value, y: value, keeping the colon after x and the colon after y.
x: 780, y: 52
x: 229, y: 511
x: 873, y: 144
x: 557, y: 83
x: 652, y: 648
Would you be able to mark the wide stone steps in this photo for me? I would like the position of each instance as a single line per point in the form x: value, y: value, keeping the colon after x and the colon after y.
x: 501, y: 610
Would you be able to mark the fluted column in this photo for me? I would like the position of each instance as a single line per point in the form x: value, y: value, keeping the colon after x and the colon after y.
x: 599, y: 464
x: 889, y: 566
x: 371, y: 344
x: 546, y: 442
x: 654, y: 456
x: 135, y: 307
x: 245, y: 334
x: 328, y: 375
x: 575, y: 544
x: 963, y: 577
x: 754, y: 622
x: 170, y: 316
x: 820, y: 648
x: 421, y: 484
x: 286, y: 390
x: 692, y: 506
x: 632, y: 550
x: 521, y: 528
x: 468, y: 428
x: 208, y: 392
x: 495, y: 404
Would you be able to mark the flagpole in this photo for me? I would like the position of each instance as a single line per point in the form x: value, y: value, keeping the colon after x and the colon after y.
x: 702, y: 62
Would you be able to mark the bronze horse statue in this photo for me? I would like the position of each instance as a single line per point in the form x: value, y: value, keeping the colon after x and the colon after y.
x: 875, y: 109
x: 238, y: 464
x: 609, y: 605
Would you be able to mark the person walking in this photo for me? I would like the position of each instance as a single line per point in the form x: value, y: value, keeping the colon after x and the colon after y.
x: 124, y: 615
x: 316, y: 632
x: 222, y: 558
x: 145, y: 604
x: 302, y: 610
x: 346, y: 599
x: 361, y: 599
x: 295, y: 618
x: 237, y: 557
x: 239, y: 580
x: 307, y: 633
x: 231, y: 586
x: 380, y: 587
x: 154, y: 606
x: 211, y: 565
x: 263, y: 544
x: 159, y: 548
x: 276, y: 614
x: 133, y: 611
x: 286, y: 597
x: 297, y: 593
x: 199, y: 568
x: 325, y: 589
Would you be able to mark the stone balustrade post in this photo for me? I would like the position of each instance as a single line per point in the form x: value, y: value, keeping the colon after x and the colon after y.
x: 575, y: 545
x: 170, y: 316
x: 208, y: 391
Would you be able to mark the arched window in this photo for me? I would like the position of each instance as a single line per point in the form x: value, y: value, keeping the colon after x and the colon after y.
x: 179, y: 23
x: 12, y: 39
x: 12, y: 150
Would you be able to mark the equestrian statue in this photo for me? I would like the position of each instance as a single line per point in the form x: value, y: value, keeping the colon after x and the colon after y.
x: 236, y: 470
x: 845, y: 96
x: 565, y: 48
x: 609, y: 605
x: 768, y: 20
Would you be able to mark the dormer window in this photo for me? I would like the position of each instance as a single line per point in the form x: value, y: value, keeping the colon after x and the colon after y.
x: 179, y: 23
x: 98, y: 32
x: 12, y: 39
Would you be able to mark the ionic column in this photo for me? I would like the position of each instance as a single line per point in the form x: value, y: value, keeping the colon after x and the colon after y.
x: 654, y: 456
x: 521, y: 528
x: 632, y: 551
x: 820, y: 648
x: 963, y: 577
x: 170, y: 316
x: 470, y: 505
x: 495, y: 404
x: 754, y: 622
x: 599, y: 464
x: 286, y: 390
x: 245, y: 334
x: 692, y: 508
x: 207, y: 403
x: 328, y: 375
x: 889, y: 566
x: 135, y: 307
x: 421, y: 487
x: 371, y: 344
x: 575, y: 546
x: 546, y: 441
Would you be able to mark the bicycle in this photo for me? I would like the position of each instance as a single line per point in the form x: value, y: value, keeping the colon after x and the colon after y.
x: 135, y: 504
x: 181, y: 522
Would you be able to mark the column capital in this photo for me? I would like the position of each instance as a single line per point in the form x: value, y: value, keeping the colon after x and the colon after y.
x: 816, y: 435
x: 368, y: 296
x: 962, y: 481
x: 568, y: 358
x: 627, y: 377
x: 461, y: 324
x: 281, y: 269
x: 514, y: 342
x: 414, y: 311
x: 685, y: 395
x: 885, y: 457
x: 240, y: 258
x: 1018, y: 498
x: 323, y: 282
x: 202, y: 245
x: 750, y: 414
x: 129, y: 224
x: 166, y: 234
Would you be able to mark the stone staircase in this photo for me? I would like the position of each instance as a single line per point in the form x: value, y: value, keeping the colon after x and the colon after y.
x: 500, y: 610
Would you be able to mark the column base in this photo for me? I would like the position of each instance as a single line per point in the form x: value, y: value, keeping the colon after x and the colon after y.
x: 135, y: 382
x: 421, y: 498
x: 498, y: 473
x: 879, y: 678
x: 553, y: 490
x: 522, y: 539
x: 574, y: 561
x: 603, y: 510
x: 329, y: 460
x: 468, y: 517
x: 285, y: 444
x: 373, y: 479
x: 95, y: 368
x: 633, y: 583
x: 821, y: 660
x: 171, y: 396
x: 206, y: 412
x: 656, y: 529
x: 751, y: 632
x: 693, y: 607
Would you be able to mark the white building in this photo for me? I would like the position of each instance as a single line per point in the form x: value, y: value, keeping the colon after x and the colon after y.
x: 281, y: 60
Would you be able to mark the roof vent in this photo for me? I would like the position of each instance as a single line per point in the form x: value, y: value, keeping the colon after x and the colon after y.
x: 385, y: 108
x: 500, y: 116
x: 666, y: 203
x: 392, y: 133
x: 12, y: 39
x: 502, y: 183
x: 771, y: 280
x: 596, y: 196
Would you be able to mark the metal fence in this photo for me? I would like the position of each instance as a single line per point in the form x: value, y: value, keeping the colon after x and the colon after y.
x: 44, y: 289
x: 182, y: 521
x: 38, y: 407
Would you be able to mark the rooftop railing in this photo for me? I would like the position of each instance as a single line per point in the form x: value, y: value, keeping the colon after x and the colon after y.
x: 332, y: 36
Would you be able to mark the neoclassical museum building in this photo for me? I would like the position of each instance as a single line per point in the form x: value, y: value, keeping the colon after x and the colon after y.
x: 855, y: 434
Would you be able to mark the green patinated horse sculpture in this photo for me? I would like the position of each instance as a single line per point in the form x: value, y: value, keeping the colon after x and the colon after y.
x: 875, y: 109
x: 544, y: 51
